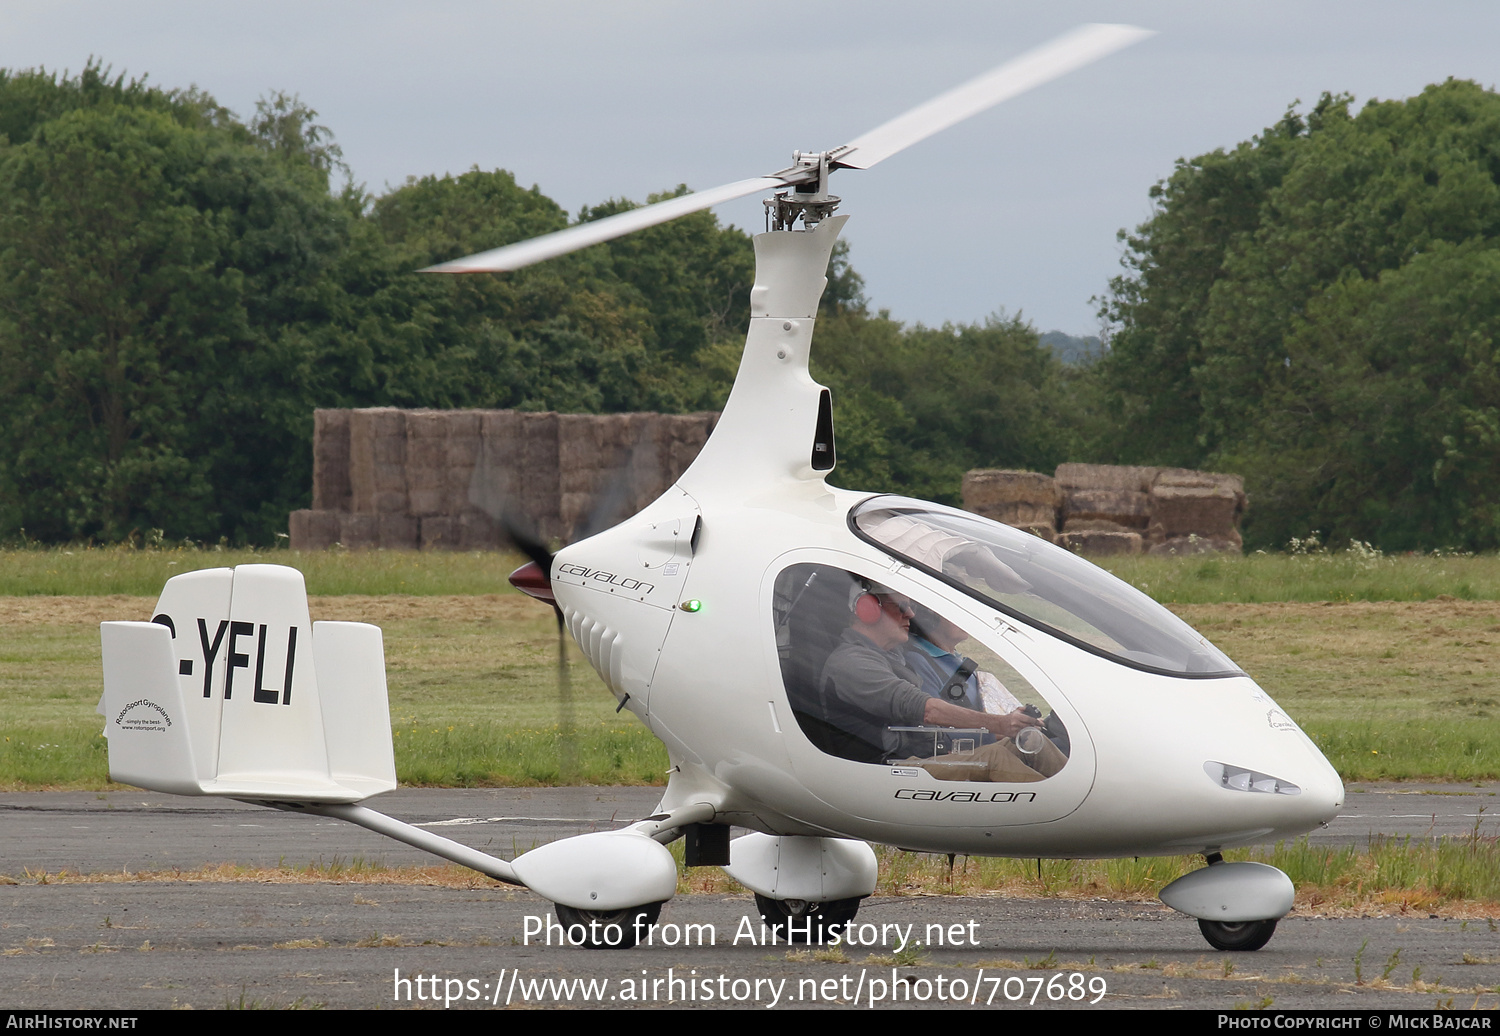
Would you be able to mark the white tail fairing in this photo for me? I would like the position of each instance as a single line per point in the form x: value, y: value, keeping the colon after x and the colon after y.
x: 231, y: 689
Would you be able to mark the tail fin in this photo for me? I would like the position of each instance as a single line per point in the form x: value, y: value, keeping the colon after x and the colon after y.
x: 232, y: 690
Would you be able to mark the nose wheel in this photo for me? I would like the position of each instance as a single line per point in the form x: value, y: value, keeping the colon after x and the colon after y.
x: 1237, y: 935
x: 801, y: 920
x: 608, y: 929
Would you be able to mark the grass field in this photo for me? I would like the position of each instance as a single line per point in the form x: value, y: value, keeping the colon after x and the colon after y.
x: 99, y: 571
x: 471, y: 664
x: 1351, y: 575
x: 1348, y: 575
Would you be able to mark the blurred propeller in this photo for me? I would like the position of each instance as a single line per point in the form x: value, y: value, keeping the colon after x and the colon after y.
x: 493, y: 489
x: 1068, y: 52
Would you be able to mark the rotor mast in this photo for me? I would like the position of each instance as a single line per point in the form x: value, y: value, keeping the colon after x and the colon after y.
x: 808, y: 198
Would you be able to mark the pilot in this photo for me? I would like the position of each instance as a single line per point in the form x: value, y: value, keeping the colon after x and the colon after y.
x: 870, y: 688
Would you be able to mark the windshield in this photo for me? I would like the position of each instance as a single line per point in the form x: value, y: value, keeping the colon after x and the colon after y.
x: 1046, y: 586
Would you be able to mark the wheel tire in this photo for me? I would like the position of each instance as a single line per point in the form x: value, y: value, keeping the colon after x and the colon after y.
x: 1237, y: 935
x: 826, y: 916
x: 596, y: 924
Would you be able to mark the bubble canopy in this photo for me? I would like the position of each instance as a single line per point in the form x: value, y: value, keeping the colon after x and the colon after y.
x: 1043, y: 585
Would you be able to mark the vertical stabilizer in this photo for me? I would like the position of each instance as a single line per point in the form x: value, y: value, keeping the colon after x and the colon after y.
x: 350, y: 662
x: 195, y: 608
x: 150, y: 742
x: 273, y: 720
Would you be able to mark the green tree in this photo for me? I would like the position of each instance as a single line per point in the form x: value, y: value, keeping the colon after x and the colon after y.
x: 915, y: 408
x: 179, y: 290
x: 155, y: 259
x: 1156, y: 346
x: 1325, y: 330
x: 616, y: 327
x: 690, y: 277
x: 1383, y: 422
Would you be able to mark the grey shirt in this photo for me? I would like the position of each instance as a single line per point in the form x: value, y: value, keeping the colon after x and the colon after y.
x: 868, y: 690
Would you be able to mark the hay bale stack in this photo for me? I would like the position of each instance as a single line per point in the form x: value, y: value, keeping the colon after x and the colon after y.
x: 538, y: 485
x: 496, y: 479
x: 1095, y: 525
x: 1115, y: 509
x: 426, y: 462
x: 612, y: 465
x: 460, y: 459
x: 1101, y: 542
x: 439, y: 532
x: 599, y: 456
x: 670, y: 444
x: 359, y: 530
x: 1122, y: 477
x: 397, y: 532
x: 1026, y: 500
x: 683, y: 439
x: 1195, y: 544
x: 313, y: 529
x: 1122, y: 509
x: 1204, y: 504
x: 331, y: 491
x: 512, y: 478
x: 637, y: 476
x: 445, y: 479
x: 377, y: 461
x: 1112, y: 493
x: 479, y: 531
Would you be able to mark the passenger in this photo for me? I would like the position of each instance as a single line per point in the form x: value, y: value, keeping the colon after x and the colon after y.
x: 870, y: 688
x: 932, y: 653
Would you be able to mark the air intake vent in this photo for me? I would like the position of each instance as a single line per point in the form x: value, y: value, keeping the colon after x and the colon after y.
x: 601, y: 645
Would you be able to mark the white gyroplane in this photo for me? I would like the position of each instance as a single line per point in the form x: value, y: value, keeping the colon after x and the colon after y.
x: 778, y: 635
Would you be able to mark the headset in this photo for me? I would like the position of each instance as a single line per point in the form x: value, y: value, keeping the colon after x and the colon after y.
x: 865, y: 602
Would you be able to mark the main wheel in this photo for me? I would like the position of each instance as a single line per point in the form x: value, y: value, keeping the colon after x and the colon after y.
x: 788, y: 918
x: 1237, y: 935
x: 607, y: 929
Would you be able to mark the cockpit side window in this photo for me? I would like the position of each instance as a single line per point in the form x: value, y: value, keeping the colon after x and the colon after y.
x: 875, y: 677
x: 1039, y: 583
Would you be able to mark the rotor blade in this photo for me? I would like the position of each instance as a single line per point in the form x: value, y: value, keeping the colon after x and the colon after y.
x: 524, y: 253
x: 1074, y: 50
x: 1082, y: 46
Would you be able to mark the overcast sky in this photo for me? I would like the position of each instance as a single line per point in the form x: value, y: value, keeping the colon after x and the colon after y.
x: 1016, y: 209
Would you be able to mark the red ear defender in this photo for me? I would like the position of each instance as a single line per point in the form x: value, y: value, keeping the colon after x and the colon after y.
x: 867, y: 609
